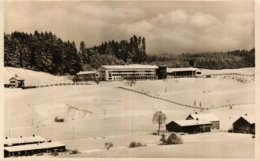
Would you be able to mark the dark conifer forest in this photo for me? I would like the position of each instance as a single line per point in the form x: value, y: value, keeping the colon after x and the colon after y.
x: 44, y: 51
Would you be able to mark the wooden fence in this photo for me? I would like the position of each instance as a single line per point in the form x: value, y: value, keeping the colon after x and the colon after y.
x: 163, y: 99
x: 181, y: 104
x: 59, y: 84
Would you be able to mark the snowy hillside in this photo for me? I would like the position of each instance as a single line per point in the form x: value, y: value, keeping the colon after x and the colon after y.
x: 100, y: 113
x: 243, y: 71
x: 33, y: 77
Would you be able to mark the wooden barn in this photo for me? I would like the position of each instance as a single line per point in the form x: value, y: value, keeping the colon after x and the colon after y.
x: 213, y: 119
x: 15, y: 82
x: 244, y: 124
x: 189, y: 126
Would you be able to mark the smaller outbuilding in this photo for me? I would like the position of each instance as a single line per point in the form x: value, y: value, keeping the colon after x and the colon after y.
x: 87, y: 76
x: 162, y: 72
x: 189, y: 126
x: 213, y: 119
x: 183, y: 72
x: 15, y: 82
x: 244, y: 124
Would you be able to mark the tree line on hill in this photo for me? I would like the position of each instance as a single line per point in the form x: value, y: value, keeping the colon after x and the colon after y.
x: 113, y: 53
x: 44, y: 51
x: 40, y: 52
x: 208, y: 60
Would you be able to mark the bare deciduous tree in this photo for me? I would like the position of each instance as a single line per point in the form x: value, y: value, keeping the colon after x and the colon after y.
x: 159, y: 118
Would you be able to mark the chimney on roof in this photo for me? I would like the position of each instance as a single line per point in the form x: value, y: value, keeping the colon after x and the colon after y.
x: 246, y: 114
x: 33, y: 135
x: 6, y: 137
x: 21, y: 136
x: 196, y: 113
x: 197, y: 119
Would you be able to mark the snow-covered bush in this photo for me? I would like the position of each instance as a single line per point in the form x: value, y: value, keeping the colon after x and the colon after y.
x: 171, y: 139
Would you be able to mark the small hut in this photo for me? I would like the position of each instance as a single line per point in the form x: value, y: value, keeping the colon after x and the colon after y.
x: 87, y: 76
x: 244, y: 124
x: 15, y: 82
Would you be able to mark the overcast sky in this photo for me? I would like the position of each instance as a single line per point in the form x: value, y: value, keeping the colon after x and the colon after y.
x: 173, y: 27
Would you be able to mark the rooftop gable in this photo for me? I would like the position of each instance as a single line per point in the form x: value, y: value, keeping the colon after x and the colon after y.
x: 86, y: 72
x: 130, y: 66
x: 34, y: 146
x: 20, y: 140
x: 16, y: 78
x: 191, y: 122
x: 170, y: 70
x: 249, y: 118
x: 204, y: 116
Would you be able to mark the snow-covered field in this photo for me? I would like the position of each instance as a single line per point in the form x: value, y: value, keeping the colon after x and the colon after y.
x: 95, y: 114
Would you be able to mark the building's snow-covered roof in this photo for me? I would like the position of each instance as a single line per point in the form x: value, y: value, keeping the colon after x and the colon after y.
x: 170, y: 70
x: 28, y: 139
x: 191, y: 122
x: 17, y: 78
x: 34, y: 146
x: 249, y: 118
x: 86, y: 72
x: 130, y: 66
x: 204, y: 116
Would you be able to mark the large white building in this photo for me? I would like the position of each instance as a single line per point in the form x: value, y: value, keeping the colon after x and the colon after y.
x: 128, y: 72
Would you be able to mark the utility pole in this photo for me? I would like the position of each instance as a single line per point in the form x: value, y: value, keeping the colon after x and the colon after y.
x: 73, y: 132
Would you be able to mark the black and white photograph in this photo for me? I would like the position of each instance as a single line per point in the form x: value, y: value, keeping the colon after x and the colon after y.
x: 129, y: 79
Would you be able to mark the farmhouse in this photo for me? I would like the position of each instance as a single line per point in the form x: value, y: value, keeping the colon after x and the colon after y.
x: 213, y: 119
x: 244, y: 124
x: 128, y: 72
x: 32, y: 149
x: 189, y: 126
x: 183, y: 72
x: 15, y: 82
x: 87, y: 76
